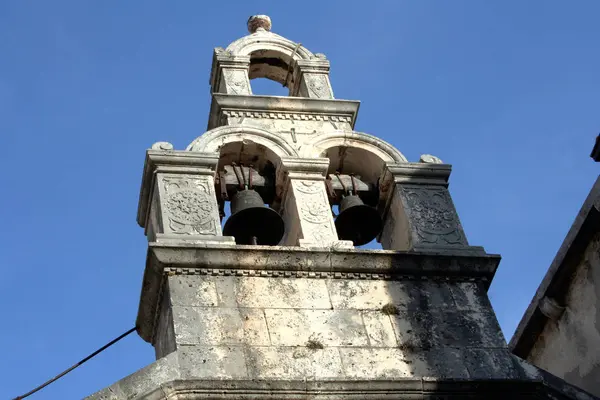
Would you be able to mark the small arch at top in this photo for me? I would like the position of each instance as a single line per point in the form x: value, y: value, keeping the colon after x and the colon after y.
x: 268, y: 41
x: 271, y: 56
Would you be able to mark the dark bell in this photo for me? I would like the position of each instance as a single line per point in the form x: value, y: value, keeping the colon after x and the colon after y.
x: 250, y: 219
x: 357, y: 221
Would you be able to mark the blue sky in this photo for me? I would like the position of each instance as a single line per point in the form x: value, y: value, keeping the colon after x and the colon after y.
x: 507, y: 92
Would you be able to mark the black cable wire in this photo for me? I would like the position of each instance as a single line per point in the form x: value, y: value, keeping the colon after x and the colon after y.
x: 101, y: 349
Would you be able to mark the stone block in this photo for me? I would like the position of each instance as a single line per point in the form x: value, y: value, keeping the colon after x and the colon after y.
x: 467, y: 329
x: 413, y: 329
x: 379, y: 329
x: 197, y: 291
x: 431, y: 295
x: 373, y: 363
x: 282, y: 293
x: 439, y: 362
x: 293, y: 363
x: 220, y: 326
x: 406, y: 295
x: 470, y: 296
x: 368, y: 294
x: 212, y: 362
x: 226, y: 289
x: 328, y: 327
x: 165, y: 341
x: 452, y: 328
x: 491, y: 364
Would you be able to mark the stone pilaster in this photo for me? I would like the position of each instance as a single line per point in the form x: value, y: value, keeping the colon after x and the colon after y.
x: 311, y: 79
x: 177, y: 199
x: 420, y: 214
x: 230, y: 73
x: 306, y: 210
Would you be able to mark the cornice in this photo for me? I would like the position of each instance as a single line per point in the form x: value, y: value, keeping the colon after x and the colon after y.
x: 281, y: 107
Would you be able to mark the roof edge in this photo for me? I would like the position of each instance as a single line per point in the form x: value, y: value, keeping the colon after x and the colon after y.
x: 586, y: 224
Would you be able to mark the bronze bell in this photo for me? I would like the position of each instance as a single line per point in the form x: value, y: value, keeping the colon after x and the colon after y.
x: 251, y: 222
x: 357, y: 221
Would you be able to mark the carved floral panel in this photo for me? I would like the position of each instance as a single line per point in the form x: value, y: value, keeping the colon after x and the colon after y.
x: 432, y: 215
x: 189, y: 205
x: 314, y: 212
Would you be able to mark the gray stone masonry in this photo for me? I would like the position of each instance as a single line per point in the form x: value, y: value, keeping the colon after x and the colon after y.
x: 268, y: 325
x: 241, y: 322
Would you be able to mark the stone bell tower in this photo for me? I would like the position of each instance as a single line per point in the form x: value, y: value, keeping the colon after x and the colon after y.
x: 276, y: 301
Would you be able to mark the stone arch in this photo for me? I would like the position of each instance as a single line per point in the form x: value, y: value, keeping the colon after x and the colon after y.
x: 243, y: 144
x: 354, y: 152
x: 268, y: 41
x: 271, y: 56
x: 214, y: 139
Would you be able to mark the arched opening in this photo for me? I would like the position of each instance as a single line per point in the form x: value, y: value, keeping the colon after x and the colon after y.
x: 354, y: 153
x: 366, y: 166
x: 246, y: 183
x: 268, y: 87
x: 247, y: 152
x: 255, y: 153
x: 353, y: 160
x: 269, y: 71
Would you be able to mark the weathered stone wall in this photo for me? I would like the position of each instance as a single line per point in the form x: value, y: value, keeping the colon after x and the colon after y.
x: 301, y: 328
x: 570, y: 347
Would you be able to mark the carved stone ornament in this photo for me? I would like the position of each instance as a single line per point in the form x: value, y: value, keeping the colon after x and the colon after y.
x: 321, y: 233
x: 189, y: 206
x: 317, y: 85
x: 236, y: 81
x: 259, y: 23
x: 222, y: 51
x: 314, y: 211
x: 432, y: 215
x: 309, y: 187
x: 429, y: 159
x: 166, y: 146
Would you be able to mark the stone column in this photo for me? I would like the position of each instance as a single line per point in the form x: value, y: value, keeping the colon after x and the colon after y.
x: 312, y: 78
x: 419, y: 213
x: 305, y: 206
x: 230, y: 73
x: 177, y: 200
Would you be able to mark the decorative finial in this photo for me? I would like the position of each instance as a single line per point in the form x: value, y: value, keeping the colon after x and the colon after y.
x: 165, y: 146
x: 259, y: 23
x: 429, y: 159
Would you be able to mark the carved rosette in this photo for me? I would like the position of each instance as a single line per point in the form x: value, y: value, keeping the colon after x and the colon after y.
x: 189, y: 206
x: 314, y: 212
x: 432, y: 215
